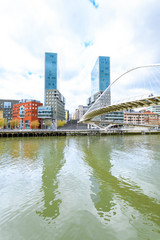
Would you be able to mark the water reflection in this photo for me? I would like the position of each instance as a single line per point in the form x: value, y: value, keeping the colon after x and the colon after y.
x: 80, y: 188
x: 20, y: 169
x: 77, y: 216
x: 99, y: 156
x: 18, y: 149
x: 53, y: 160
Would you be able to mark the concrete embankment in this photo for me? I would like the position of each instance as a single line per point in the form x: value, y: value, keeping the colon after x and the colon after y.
x: 89, y: 132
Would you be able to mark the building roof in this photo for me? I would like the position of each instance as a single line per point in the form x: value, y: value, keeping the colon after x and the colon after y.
x: 140, y: 113
x: 148, y: 112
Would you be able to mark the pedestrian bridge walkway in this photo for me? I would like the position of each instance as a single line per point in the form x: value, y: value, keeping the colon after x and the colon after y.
x: 136, y: 88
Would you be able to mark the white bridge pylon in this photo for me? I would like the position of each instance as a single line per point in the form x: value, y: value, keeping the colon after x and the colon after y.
x: 140, y: 101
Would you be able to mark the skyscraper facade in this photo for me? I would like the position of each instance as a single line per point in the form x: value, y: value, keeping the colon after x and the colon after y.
x: 50, y: 71
x: 100, y: 80
x: 53, y: 97
x: 100, y: 75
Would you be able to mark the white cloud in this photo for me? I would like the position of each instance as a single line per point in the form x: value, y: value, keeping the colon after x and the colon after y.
x: 127, y: 31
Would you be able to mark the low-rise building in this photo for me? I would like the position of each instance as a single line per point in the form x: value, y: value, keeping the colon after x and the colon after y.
x: 45, y: 112
x: 155, y: 109
x: 6, y: 108
x: 145, y: 117
x: 114, y: 116
x: 26, y: 111
x: 45, y: 115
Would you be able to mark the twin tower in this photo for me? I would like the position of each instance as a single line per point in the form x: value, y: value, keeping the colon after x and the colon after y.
x: 100, y: 80
x: 52, y: 97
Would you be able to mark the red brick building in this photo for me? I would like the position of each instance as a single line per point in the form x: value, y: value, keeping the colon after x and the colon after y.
x: 26, y: 111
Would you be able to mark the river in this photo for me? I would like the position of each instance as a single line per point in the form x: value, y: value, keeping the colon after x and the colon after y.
x: 80, y: 188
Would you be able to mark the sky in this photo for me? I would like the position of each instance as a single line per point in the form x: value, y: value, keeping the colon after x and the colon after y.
x: 78, y: 31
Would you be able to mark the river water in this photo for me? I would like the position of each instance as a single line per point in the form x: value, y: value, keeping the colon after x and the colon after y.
x: 72, y: 188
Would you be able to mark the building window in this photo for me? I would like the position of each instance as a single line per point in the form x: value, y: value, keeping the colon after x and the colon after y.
x: 7, y: 104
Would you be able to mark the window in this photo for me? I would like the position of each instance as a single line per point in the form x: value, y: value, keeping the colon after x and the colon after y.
x: 7, y: 104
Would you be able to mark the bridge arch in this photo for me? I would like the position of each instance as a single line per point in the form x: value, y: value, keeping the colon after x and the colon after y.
x: 142, y: 101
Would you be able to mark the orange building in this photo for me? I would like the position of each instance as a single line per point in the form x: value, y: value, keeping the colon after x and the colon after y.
x: 26, y: 111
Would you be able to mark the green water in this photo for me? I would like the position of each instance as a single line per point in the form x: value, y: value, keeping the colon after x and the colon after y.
x: 80, y: 188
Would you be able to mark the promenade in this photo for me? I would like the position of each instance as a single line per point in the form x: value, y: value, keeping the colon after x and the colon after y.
x: 76, y: 132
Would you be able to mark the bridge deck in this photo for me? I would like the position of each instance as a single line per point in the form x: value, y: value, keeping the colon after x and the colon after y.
x: 150, y: 101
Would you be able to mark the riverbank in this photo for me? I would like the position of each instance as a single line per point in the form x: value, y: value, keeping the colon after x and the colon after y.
x: 75, y: 132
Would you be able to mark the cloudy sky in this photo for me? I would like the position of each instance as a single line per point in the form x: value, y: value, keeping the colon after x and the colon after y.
x: 79, y: 31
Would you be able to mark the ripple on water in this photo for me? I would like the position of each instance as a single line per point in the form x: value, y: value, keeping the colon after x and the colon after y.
x: 80, y: 188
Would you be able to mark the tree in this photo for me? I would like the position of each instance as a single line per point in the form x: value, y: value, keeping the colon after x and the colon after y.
x: 3, y: 122
x: 48, y: 123
x: 14, y: 123
x: 35, y: 124
x: 61, y: 123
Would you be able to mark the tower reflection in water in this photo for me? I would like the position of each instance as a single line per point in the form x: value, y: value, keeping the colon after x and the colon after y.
x: 53, y: 160
x: 80, y: 186
x: 109, y: 188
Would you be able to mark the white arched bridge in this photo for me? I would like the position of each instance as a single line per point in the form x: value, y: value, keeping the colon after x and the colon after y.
x: 138, y: 87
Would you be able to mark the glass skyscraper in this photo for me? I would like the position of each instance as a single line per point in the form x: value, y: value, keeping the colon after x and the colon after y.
x: 100, y: 80
x: 100, y: 75
x: 50, y: 71
x: 53, y: 98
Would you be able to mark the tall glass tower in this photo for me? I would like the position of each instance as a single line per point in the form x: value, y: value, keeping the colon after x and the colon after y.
x: 100, y: 75
x: 53, y: 98
x: 50, y: 71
